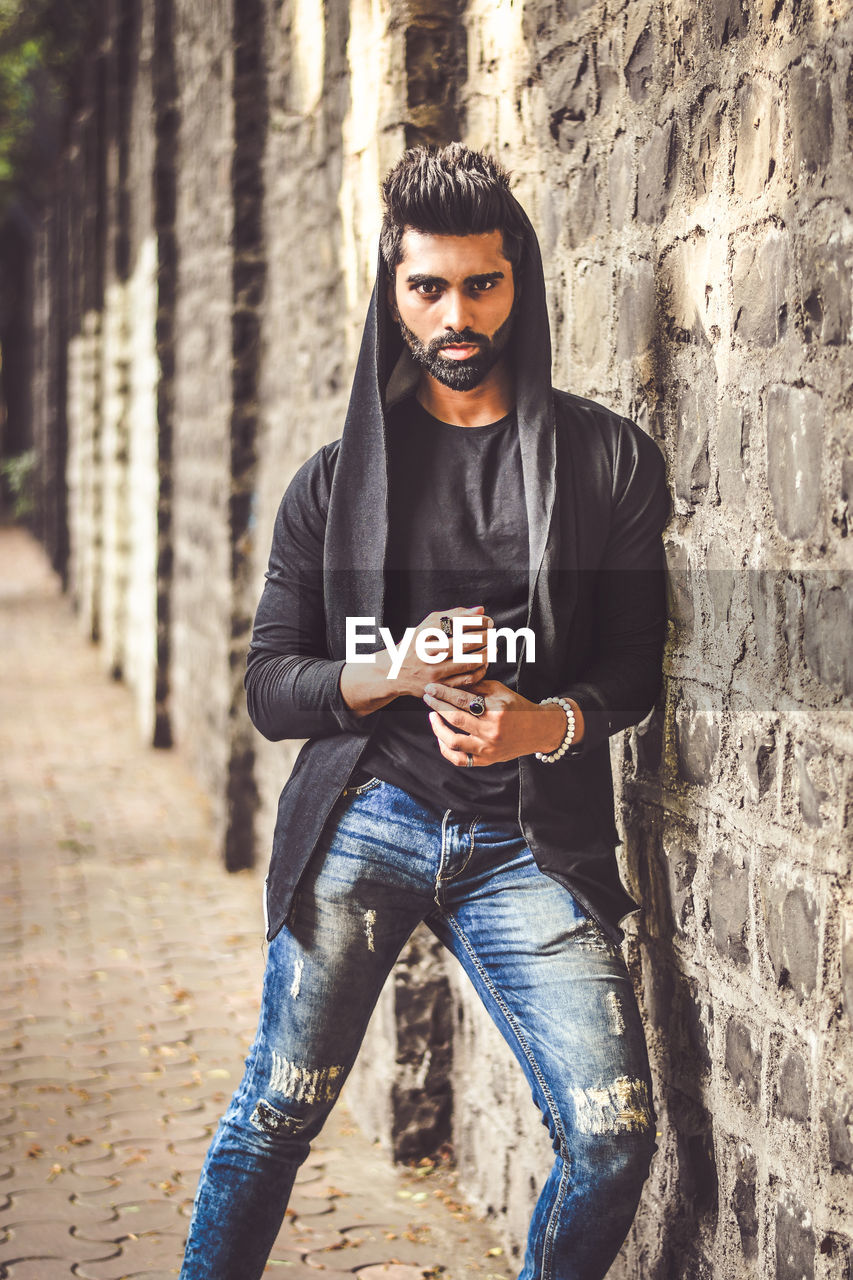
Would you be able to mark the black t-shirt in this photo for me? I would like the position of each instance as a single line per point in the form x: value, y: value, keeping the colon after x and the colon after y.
x: 458, y: 537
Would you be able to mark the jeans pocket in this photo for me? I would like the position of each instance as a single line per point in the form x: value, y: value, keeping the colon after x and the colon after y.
x: 362, y: 787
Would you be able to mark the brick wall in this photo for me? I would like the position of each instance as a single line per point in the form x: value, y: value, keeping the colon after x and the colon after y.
x: 205, y: 273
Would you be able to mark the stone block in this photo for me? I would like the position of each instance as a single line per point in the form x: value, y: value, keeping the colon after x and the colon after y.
x: 640, y: 64
x: 692, y: 1027
x: 680, y: 608
x: 706, y: 128
x: 791, y: 918
x: 792, y: 1088
x: 732, y: 453
x: 743, y: 1200
x: 759, y: 142
x: 620, y: 170
x: 826, y: 269
x: 692, y: 466
x: 697, y: 1166
x: 729, y: 909
x: 815, y: 782
x: 837, y: 1117
x: 795, y: 431
x: 765, y: 605
x: 691, y: 272
x: 726, y: 19
x: 584, y: 206
x: 847, y: 965
x: 657, y: 173
x: 811, y: 118
x: 591, y: 314
x: 571, y: 90
x: 795, y: 1242
x: 635, y: 310
x: 758, y: 759
x: 697, y: 738
x: 679, y: 864
x: 760, y: 286
x: 743, y: 1060
x: 827, y: 629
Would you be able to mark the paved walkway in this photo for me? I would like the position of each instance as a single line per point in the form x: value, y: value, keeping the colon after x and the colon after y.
x: 130, y: 967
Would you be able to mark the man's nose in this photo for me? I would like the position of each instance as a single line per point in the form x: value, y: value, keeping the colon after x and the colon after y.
x: 457, y: 311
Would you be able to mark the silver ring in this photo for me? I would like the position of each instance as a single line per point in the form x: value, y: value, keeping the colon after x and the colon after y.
x: 446, y: 624
x: 477, y: 706
x: 470, y: 764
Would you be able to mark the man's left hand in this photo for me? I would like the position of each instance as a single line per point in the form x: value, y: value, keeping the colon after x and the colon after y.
x: 511, y: 725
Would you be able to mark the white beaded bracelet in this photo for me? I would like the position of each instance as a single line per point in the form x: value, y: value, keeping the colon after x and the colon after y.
x: 553, y: 756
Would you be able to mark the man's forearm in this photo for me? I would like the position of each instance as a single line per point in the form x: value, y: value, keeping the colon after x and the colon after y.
x: 365, y: 686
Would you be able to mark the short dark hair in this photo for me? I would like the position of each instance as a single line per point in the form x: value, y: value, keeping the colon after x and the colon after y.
x: 449, y: 191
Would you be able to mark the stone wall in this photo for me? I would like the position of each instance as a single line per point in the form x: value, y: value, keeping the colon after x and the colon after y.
x: 199, y: 289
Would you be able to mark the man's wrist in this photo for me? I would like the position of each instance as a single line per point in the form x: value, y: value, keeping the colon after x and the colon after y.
x: 365, y: 686
x: 554, y: 725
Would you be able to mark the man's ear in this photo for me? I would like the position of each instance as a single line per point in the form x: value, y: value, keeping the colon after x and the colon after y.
x: 391, y: 298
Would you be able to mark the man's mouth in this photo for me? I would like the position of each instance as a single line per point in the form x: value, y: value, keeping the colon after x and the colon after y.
x: 462, y: 351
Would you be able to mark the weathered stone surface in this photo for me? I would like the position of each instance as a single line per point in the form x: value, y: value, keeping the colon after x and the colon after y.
x: 812, y: 785
x: 791, y: 917
x: 693, y: 469
x: 639, y: 69
x: 811, y: 117
x: 729, y: 908
x: 620, y: 169
x: 657, y: 173
x: 760, y: 285
x: 707, y: 123
x: 759, y: 142
x: 838, y: 1118
x: 794, y: 457
x: 591, y: 314
x: 792, y: 1088
x: 726, y: 20
x: 759, y: 759
x: 743, y: 1200
x: 697, y: 734
x: 570, y: 85
x: 826, y: 266
x: 732, y: 453
x: 795, y: 1242
x: 827, y: 628
x: 847, y: 966
x: 743, y: 1060
x: 635, y: 309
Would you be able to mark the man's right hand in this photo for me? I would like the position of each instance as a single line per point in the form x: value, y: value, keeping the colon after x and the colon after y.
x: 416, y: 674
x: 367, y: 686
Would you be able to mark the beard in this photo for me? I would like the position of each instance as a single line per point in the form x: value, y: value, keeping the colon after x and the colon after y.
x: 459, y: 375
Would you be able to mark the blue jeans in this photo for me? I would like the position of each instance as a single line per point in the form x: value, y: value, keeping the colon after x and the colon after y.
x: 554, y: 984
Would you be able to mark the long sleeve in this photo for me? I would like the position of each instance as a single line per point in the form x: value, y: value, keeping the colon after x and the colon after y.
x: 620, y: 684
x: 292, y: 684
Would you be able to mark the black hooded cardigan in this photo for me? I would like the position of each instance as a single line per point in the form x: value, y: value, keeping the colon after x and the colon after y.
x: 596, y: 500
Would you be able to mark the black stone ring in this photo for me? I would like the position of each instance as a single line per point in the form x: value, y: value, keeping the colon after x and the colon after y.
x: 477, y: 707
x: 446, y: 624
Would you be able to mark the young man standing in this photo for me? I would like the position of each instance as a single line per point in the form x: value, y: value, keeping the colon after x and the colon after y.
x: 473, y: 792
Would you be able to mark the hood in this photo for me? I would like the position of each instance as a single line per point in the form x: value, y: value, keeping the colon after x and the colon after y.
x: 357, y: 523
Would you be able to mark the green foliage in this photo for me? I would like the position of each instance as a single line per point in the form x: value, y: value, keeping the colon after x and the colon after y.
x: 19, y: 474
x: 39, y: 43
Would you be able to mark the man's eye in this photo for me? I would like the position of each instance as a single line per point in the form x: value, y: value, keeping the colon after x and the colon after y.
x: 428, y: 290
x: 483, y: 286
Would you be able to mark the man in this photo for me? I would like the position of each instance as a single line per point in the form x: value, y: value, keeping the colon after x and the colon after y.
x: 472, y: 792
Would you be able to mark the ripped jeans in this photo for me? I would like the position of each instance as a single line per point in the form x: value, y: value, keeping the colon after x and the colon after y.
x: 556, y: 987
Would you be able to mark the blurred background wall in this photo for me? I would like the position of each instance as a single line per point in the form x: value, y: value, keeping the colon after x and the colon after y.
x: 188, y: 301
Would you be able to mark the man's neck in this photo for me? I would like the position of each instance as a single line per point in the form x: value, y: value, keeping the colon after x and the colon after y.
x: 488, y: 402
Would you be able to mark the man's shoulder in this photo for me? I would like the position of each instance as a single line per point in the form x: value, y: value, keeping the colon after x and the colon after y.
x: 603, y: 428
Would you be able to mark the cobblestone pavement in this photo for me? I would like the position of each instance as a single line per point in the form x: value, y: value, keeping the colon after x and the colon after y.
x: 131, y: 968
